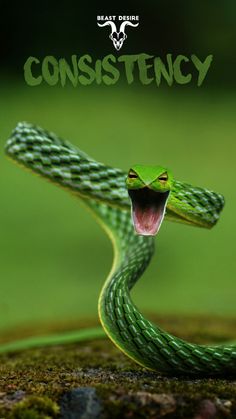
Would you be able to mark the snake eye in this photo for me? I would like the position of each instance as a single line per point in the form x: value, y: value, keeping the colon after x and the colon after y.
x: 163, y: 177
x: 132, y: 175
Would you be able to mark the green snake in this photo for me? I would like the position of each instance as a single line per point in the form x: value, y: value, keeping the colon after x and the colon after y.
x: 131, y: 208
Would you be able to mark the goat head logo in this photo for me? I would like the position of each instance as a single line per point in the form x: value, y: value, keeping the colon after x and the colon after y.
x: 118, y: 37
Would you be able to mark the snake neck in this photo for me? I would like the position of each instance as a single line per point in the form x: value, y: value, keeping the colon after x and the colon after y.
x: 119, y: 316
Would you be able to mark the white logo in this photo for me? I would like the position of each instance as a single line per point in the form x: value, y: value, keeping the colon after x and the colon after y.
x: 117, y: 36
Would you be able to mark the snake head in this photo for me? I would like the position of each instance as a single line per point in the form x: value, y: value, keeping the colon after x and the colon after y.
x: 149, y: 188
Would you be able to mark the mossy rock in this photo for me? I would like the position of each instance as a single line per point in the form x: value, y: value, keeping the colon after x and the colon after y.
x: 93, y: 379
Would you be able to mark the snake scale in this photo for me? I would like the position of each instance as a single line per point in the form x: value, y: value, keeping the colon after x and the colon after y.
x: 107, y: 192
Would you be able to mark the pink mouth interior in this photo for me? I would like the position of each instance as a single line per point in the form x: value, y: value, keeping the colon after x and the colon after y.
x: 147, y: 222
x: 148, y: 210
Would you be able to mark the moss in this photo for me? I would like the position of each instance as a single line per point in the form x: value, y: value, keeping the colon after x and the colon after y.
x: 34, y: 407
x: 41, y: 377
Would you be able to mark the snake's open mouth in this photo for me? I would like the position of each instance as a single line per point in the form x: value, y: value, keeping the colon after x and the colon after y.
x: 148, y: 210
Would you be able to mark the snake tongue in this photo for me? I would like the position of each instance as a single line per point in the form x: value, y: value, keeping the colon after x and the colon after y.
x: 148, y: 210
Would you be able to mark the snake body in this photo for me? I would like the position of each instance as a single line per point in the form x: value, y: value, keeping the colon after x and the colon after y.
x: 103, y: 189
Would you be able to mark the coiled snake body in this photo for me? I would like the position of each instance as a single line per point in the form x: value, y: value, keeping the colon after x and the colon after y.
x: 105, y: 190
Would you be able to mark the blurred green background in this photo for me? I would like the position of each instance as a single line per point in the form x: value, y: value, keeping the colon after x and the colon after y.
x: 54, y: 257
